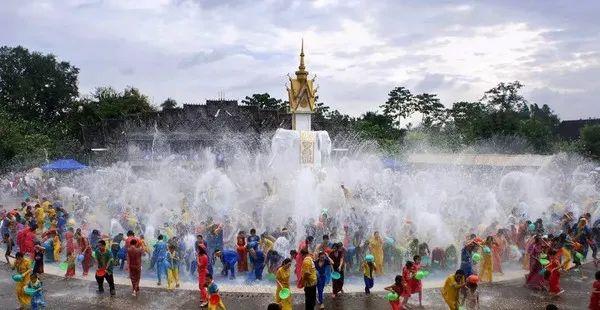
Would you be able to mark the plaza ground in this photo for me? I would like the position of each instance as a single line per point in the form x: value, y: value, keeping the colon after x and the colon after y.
x: 81, y: 294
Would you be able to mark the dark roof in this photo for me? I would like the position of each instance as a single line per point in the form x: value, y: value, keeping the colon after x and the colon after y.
x: 571, y: 130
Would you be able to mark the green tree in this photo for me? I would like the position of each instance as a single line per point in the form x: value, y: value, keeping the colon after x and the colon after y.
x: 35, y: 86
x: 400, y: 104
x: 432, y: 110
x: 380, y: 128
x: 264, y: 101
x: 472, y: 121
x: 169, y: 103
x: 505, y: 97
x: 590, y: 136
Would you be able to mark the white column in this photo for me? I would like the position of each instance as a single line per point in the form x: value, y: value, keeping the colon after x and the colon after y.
x: 302, y: 121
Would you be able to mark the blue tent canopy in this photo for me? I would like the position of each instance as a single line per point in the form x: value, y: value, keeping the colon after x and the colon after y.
x: 64, y: 165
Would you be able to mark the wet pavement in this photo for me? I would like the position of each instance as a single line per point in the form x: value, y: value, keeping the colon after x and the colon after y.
x: 81, y: 294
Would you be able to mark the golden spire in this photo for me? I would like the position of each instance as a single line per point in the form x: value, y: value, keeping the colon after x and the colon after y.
x: 301, y: 68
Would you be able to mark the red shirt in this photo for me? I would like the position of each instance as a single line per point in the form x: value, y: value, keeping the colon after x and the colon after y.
x: 134, y: 257
x: 595, y: 298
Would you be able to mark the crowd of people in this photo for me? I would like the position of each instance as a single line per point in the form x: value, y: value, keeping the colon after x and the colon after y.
x: 319, y: 256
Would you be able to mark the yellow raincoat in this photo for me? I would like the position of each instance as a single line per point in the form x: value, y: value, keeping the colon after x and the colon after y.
x: 283, y: 277
x: 266, y: 245
x: 40, y: 217
x: 376, y: 248
x: 23, y: 268
x: 566, y: 254
x: 485, y: 274
x: 56, y: 242
x: 450, y: 292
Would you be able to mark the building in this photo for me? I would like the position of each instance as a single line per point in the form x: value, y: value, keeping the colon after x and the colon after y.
x: 571, y: 130
x: 184, y: 130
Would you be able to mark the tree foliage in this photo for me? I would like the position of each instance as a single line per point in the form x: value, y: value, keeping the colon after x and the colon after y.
x: 34, y: 86
x: 264, y: 101
x: 169, y: 103
x: 590, y: 136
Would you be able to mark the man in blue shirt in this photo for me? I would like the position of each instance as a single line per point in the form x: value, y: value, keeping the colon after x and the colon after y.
x: 229, y: 258
x: 160, y: 252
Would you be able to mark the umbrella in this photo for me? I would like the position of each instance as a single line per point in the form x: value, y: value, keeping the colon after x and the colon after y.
x: 64, y: 165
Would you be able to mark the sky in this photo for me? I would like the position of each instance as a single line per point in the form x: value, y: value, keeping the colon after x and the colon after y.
x: 194, y: 50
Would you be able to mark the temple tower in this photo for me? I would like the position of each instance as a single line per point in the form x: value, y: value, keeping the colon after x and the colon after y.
x: 301, y: 93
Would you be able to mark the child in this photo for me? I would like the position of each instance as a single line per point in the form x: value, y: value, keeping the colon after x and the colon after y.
x: 415, y: 285
x: 369, y: 267
x: 595, y: 295
x: 215, y: 301
x: 37, y: 299
x: 407, y: 275
x: 399, y: 289
x: 470, y: 298
x: 173, y: 269
x: 70, y: 266
x: 553, y: 273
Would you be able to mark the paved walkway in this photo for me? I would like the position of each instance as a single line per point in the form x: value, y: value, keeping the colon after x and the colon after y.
x: 80, y: 294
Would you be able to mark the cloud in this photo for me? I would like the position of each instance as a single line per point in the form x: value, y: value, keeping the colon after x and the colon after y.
x: 191, y: 50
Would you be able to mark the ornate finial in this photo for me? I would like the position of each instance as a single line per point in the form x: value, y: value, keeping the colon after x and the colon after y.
x: 301, y: 68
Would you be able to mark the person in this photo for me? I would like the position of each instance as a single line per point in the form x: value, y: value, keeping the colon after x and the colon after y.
x: 498, y: 251
x: 56, y: 247
x: 257, y: 259
x: 376, y: 248
x: 553, y: 273
x: 282, y: 278
x: 105, y: 266
x: 595, y: 294
x: 299, y: 258
x: 470, y: 297
x: 346, y: 191
x: 414, y: 284
x: 70, y: 273
x: 451, y: 289
x: 22, y: 267
x: 172, y: 267
x: 134, y: 259
x: 486, y: 271
x: 534, y: 279
x: 309, y: 279
x: 37, y: 298
x: 86, y: 251
x: 123, y: 252
x: 160, y: 254
x: 337, y: 256
x: 228, y: 258
x: 253, y: 237
x: 38, y: 259
x: 369, y: 268
x: 274, y: 306
x: 322, y: 265
x: 408, y: 276
x: 215, y: 300
x: 202, y: 263
x: 9, y: 245
x: 398, y: 288
x: 26, y: 240
x: 466, y: 260
x: 242, y: 253
x: 70, y: 244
